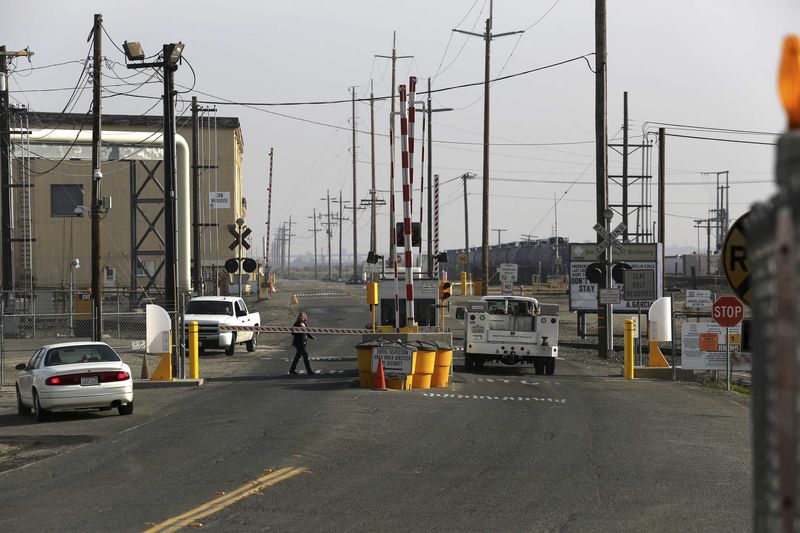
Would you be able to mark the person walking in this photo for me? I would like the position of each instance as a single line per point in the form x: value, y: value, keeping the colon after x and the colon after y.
x: 299, y: 340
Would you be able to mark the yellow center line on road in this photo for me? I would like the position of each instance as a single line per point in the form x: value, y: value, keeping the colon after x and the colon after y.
x: 217, y: 504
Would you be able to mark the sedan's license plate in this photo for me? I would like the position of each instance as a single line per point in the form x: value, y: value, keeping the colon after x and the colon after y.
x: 91, y: 380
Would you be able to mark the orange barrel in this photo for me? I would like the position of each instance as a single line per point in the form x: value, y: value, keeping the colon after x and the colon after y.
x: 444, y: 361
x: 425, y: 364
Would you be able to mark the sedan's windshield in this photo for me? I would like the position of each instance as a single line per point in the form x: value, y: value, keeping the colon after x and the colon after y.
x: 70, y: 355
x: 209, y: 307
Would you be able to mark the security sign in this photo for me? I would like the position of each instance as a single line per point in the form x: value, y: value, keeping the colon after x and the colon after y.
x: 735, y: 262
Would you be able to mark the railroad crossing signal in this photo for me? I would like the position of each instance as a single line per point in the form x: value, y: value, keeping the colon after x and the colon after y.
x: 610, y: 239
x: 727, y: 311
x: 234, y: 230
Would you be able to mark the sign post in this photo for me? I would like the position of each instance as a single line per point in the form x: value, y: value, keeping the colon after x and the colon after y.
x: 727, y: 311
x: 608, y: 242
x: 639, y: 284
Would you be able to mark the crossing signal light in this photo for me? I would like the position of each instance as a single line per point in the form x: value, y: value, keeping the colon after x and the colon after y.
x: 445, y: 290
x: 595, y: 272
x: 618, y: 272
x: 416, y: 234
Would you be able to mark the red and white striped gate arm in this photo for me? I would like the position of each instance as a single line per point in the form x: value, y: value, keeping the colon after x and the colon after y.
x: 408, y: 250
x: 392, y: 226
x: 284, y: 329
x: 435, y: 225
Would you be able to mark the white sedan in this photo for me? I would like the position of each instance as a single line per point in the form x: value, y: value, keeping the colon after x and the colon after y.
x: 74, y: 375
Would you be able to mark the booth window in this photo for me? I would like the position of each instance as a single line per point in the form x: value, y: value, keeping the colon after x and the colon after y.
x: 64, y: 198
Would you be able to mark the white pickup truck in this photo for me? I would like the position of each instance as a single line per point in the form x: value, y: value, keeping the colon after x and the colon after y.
x: 211, y: 311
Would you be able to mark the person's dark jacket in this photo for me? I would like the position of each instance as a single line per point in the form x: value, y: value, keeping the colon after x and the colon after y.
x: 300, y: 338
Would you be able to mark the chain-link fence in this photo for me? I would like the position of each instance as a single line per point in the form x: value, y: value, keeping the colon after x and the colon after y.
x: 30, y: 320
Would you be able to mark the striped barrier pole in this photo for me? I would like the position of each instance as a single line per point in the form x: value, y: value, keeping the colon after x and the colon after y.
x: 269, y: 209
x: 408, y: 251
x: 285, y: 329
x: 392, y: 226
x: 435, y: 226
x: 422, y: 183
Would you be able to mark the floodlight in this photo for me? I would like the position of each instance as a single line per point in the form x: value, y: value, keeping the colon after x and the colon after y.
x: 173, y: 53
x: 133, y: 50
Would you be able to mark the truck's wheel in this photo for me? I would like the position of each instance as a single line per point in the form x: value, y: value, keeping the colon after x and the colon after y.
x: 538, y: 367
x: 550, y: 366
x: 229, y: 350
x: 252, y: 343
x: 479, y: 364
x: 469, y: 363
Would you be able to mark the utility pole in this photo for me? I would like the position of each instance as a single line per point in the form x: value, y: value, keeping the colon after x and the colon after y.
x: 625, y: 237
x: 340, y: 219
x: 392, y: 240
x: 282, y: 241
x: 5, y: 170
x: 289, y: 249
x: 355, y: 205
x: 721, y: 213
x: 662, y: 200
x: 315, y: 230
x: 466, y: 176
x: 5, y: 174
x: 604, y: 312
x: 328, y: 231
x: 97, y: 199
x: 197, y: 262
x: 429, y: 109
x: 373, y: 237
x: 498, y: 235
x: 487, y: 37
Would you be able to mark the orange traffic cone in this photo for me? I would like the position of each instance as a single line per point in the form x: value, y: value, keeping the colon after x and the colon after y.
x: 380, y: 379
x: 145, y: 373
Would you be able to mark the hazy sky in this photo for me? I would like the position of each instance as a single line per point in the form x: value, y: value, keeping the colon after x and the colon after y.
x: 706, y: 63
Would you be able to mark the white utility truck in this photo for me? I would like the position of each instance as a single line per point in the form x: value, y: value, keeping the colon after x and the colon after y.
x: 212, y: 311
x: 510, y: 330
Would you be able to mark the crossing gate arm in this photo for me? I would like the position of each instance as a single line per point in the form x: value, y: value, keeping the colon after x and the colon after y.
x: 283, y: 329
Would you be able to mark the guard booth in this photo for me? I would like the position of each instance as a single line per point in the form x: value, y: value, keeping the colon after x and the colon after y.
x: 426, y: 302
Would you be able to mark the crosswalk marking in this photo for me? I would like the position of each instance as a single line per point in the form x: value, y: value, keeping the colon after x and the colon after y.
x: 503, y: 399
x: 312, y: 294
x: 515, y: 381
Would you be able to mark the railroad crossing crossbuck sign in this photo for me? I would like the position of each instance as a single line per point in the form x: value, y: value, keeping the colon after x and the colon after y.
x: 235, y: 232
x: 610, y: 239
x: 727, y: 311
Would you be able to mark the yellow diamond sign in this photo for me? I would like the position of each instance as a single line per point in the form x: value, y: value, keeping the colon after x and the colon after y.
x: 735, y: 262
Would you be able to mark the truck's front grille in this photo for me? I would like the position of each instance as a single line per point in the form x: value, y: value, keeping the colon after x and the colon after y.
x: 205, y: 330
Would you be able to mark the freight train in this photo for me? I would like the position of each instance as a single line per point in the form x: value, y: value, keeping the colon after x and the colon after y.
x: 542, y: 258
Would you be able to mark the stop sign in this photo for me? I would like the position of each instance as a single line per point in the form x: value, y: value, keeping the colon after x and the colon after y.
x: 727, y: 311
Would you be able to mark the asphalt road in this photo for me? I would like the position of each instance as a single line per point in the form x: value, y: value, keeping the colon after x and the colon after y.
x: 503, y: 450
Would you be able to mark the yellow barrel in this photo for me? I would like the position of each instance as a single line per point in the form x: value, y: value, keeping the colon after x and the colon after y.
x: 424, y: 365
x: 366, y: 379
x: 441, y: 372
x: 364, y: 359
x: 400, y: 384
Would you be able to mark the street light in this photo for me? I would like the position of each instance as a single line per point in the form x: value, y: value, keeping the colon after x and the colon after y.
x: 170, y: 55
x: 75, y: 264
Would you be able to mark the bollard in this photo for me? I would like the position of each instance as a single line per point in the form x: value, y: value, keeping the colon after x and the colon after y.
x: 630, y: 326
x: 194, y: 363
x: 463, y: 284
